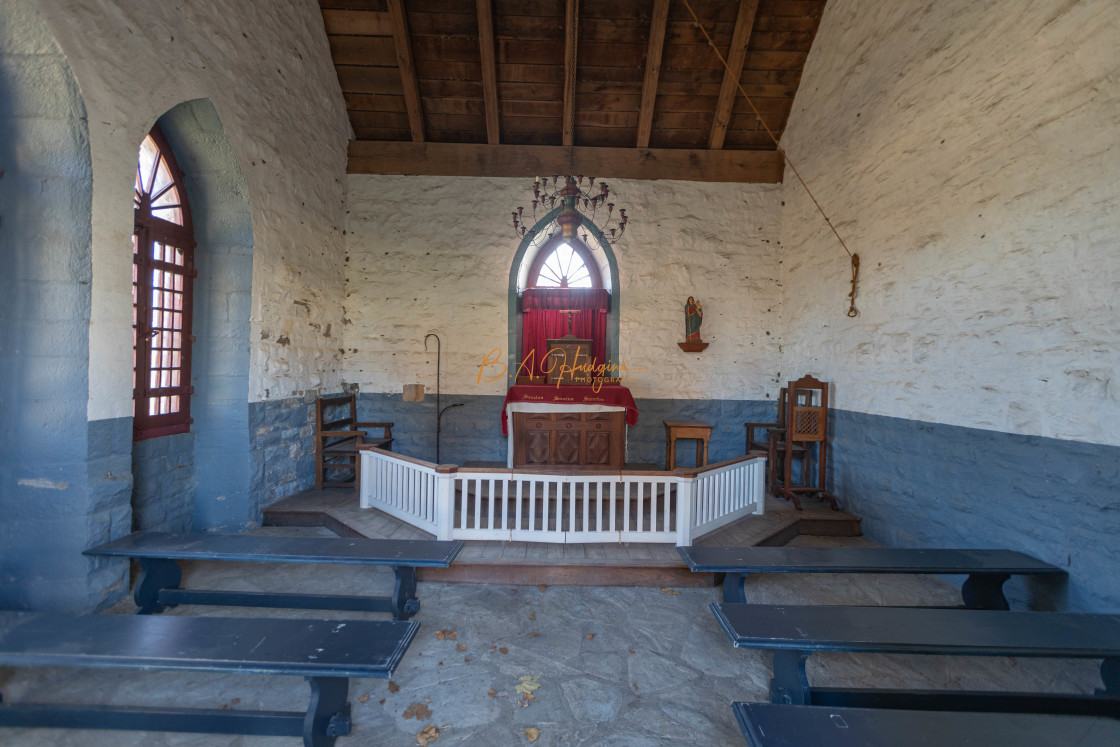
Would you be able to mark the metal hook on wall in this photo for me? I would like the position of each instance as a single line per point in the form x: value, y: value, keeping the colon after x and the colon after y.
x: 439, y: 412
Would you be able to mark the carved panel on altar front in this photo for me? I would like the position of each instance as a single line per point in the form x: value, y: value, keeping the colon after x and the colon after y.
x: 555, y: 439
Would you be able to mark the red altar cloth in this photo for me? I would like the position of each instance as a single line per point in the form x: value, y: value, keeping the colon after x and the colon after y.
x: 548, y: 394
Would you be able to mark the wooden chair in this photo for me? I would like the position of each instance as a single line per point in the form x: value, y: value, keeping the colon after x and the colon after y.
x: 804, y: 415
x: 338, y: 434
x: 763, y: 443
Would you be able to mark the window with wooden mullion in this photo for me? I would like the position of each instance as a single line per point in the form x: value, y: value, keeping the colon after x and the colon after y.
x: 162, y: 284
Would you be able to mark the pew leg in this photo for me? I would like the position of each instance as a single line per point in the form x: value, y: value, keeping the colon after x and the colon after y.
x: 328, y: 713
x: 405, y: 604
x: 790, y: 686
x: 733, y: 589
x: 155, y: 574
x: 1110, y: 675
x: 984, y: 591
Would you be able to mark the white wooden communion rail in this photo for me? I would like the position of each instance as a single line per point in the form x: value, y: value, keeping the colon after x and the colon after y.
x: 587, y: 506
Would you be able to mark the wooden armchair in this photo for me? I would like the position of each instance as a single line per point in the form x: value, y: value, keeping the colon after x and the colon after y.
x: 773, y: 442
x: 803, y: 411
x: 338, y: 434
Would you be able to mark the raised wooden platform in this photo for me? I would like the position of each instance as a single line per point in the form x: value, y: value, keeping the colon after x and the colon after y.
x: 532, y: 563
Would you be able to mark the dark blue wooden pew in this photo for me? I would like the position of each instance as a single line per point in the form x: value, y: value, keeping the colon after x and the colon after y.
x: 987, y: 570
x: 161, y: 576
x: 325, y: 652
x: 792, y: 633
x: 768, y: 725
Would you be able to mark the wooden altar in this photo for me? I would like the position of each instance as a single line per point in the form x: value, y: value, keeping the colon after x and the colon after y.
x: 567, y: 426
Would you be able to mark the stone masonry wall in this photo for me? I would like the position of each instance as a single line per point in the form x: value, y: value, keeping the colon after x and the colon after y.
x: 968, y: 152
x: 433, y: 254
x: 60, y: 482
x: 266, y: 69
x: 970, y: 156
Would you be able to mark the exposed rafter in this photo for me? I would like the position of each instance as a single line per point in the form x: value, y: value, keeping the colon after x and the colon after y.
x: 571, y: 41
x: 466, y: 159
x: 541, y: 77
x: 736, y: 56
x: 489, y: 71
x: 403, y: 44
x: 657, y: 25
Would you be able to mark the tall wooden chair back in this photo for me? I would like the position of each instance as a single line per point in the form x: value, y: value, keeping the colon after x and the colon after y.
x: 803, y: 410
x: 338, y: 434
x: 808, y: 410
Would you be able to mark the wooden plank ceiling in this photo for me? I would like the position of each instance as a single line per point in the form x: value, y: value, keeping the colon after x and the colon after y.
x: 618, y: 88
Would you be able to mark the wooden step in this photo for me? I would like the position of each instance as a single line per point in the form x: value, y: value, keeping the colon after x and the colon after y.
x: 534, y: 563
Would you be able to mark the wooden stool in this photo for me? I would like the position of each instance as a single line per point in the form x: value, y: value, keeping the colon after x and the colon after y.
x: 675, y: 429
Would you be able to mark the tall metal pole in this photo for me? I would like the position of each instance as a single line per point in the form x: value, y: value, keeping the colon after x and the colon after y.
x: 439, y: 412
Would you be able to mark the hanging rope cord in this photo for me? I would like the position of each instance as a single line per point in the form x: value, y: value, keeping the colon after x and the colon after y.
x: 852, y: 310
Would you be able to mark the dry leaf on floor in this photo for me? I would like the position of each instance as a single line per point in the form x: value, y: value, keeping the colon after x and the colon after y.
x: 534, y: 634
x: 363, y: 699
x: 589, y: 636
x: 528, y: 683
x: 541, y: 587
x: 504, y: 650
x: 235, y: 700
x: 394, y: 687
x: 532, y: 733
x: 418, y: 711
x: 674, y: 592
x: 466, y: 658
x: 447, y: 634
x: 429, y: 735
x: 462, y: 647
x: 532, y: 616
x: 493, y: 692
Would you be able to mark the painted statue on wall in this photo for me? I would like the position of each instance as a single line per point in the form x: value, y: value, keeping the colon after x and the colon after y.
x: 693, y: 316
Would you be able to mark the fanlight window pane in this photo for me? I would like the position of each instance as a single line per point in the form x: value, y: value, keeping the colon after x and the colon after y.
x: 564, y: 269
x: 145, y: 169
x: 154, y: 179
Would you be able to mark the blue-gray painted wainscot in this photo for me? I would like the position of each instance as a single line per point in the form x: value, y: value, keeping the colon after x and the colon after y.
x: 919, y: 484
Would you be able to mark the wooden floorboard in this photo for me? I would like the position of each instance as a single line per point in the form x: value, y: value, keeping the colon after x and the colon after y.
x: 604, y: 564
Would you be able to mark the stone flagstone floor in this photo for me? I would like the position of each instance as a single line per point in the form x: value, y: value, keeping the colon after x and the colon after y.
x: 616, y: 665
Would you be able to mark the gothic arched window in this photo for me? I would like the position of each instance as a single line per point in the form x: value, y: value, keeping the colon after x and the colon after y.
x: 564, y: 296
x: 162, y: 284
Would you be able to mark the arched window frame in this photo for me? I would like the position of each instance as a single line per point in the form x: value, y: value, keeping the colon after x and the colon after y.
x: 163, y: 301
x: 578, y: 247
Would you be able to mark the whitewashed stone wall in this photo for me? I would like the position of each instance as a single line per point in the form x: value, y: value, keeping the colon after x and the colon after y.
x: 433, y: 254
x: 266, y: 68
x: 969, y: 152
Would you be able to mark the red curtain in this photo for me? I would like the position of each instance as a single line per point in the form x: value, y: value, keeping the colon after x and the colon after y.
x: 542, y: 321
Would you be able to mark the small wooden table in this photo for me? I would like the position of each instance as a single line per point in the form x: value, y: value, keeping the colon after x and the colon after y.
x: 697, y: 429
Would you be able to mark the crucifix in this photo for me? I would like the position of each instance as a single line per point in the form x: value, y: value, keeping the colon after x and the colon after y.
x: 569, y: 313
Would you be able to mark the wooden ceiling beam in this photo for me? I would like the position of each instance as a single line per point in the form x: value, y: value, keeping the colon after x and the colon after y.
x: 469, y: 159
x: 403, y: 43
x: 571, y: 41
x: 489, y: 71
x: 736, y: 55
x: 657, y: 25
